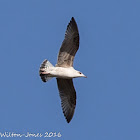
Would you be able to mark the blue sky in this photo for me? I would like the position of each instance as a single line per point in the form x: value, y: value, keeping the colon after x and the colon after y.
x: 109, y: 54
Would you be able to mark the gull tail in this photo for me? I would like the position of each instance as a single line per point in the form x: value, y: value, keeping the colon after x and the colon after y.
x: 43, y: 70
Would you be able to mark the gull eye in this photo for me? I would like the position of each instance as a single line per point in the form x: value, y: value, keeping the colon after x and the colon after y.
x: 80, y: 73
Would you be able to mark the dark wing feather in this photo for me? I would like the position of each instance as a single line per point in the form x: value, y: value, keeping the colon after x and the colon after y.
x: 69, y: 46
x: 68, y: 97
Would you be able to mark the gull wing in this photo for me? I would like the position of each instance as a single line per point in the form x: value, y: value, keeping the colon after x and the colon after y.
x: 69, y: 46
x: 68, y: 97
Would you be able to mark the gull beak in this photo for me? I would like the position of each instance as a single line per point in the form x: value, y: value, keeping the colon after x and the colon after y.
x: 85, y: 76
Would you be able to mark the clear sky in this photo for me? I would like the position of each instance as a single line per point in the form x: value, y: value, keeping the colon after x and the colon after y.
x: 108, y: 101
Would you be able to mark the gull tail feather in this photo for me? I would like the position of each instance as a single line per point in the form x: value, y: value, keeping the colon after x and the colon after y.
x: 43, y: 69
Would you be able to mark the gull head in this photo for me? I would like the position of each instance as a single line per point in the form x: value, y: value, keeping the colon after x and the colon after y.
x: 80, y: 74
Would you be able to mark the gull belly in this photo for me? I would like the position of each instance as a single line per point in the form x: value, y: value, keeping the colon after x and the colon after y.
x: 61, y: 72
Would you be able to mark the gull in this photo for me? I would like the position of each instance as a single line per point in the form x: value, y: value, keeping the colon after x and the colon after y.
x: 64, y: 71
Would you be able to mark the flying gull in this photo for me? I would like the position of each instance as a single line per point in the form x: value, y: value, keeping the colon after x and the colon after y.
x: 64, y: 71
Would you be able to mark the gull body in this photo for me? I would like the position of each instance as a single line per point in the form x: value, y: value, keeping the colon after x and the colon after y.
x: 61, y: 72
